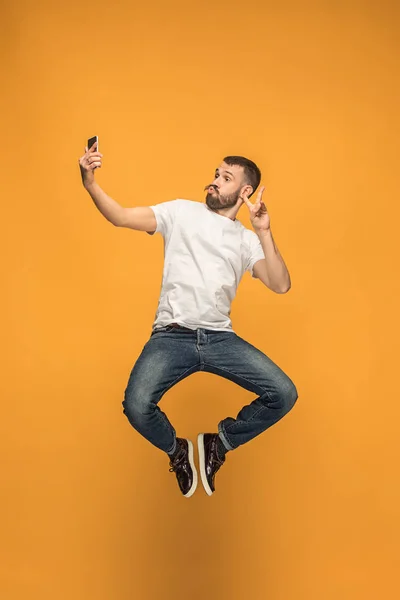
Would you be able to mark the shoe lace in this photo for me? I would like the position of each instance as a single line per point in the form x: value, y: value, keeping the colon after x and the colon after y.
x: 175, y: 463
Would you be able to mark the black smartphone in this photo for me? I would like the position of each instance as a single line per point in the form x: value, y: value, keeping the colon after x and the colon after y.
x: 91, y: 141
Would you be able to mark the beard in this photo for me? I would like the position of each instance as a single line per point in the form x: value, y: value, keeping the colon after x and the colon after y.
x: 216, y: 201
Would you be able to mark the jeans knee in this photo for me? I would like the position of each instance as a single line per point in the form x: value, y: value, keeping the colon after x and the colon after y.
x: 127, y: 408
x: 290, y: 395
x: 135, y: 409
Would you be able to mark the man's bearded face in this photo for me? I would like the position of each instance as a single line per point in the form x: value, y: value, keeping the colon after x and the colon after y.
x: 224, y: 191
x: 216, y: 200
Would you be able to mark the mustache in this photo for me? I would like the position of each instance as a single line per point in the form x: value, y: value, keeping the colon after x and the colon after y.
x: 212, y: 187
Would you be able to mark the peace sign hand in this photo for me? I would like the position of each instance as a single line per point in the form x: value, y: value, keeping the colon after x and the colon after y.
x: 258, y: 212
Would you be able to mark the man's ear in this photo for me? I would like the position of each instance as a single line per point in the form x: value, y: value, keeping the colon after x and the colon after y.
x: 246, y: 189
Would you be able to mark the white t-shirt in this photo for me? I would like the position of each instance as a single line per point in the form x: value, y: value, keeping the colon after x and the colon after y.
x: 205, y: 257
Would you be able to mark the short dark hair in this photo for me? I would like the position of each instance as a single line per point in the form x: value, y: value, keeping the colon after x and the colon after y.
x: 251, y: 172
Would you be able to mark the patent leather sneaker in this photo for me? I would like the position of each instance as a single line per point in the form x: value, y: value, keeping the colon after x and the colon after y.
x: 182, y: 464
x: 210, y: 461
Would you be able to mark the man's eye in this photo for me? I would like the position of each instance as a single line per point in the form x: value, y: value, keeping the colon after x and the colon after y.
x: 227, y: 179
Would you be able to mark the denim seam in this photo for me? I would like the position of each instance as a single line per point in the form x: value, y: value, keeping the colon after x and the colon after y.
x: 176, y: 380
x: 224, y: 431
x: 224, y: 437
x: 173, y: 448
x: 244, y: 379
x: 163, y: 421
x: 247, y: 420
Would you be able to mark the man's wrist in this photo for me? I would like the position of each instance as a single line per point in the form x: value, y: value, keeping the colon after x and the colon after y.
x: 88, y: 185
x: 262, y: 233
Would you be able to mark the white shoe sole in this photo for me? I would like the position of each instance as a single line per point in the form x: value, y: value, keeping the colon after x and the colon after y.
x: 200, y: 444
x: 191, y: 461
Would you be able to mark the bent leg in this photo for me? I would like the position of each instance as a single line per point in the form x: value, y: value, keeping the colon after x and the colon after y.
x: 235, y: 359
x: 166, y: 359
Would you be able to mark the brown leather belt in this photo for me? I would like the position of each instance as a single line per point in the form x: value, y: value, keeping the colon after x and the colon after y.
x: 172, y: 326
x: 177, y: 326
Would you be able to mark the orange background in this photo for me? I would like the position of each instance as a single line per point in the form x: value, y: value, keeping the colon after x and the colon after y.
x: 309, y: 91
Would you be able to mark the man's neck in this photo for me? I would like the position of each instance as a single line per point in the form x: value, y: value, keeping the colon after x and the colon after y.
x: 230, y: 213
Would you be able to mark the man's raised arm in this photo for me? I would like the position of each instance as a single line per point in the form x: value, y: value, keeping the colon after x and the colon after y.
x: 141, y: 218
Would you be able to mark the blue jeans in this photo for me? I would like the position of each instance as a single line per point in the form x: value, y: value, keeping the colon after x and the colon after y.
x: 172, y: 354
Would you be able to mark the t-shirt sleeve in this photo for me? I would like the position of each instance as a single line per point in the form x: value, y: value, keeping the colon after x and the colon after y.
x: 255, y: 251
x: 165, y: 214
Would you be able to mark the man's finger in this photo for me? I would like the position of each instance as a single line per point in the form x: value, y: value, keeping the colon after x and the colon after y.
x: 260, y: 193
x: 246, y: 200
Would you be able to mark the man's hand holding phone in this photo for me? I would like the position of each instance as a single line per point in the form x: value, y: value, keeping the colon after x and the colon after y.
x: 90, y: 161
